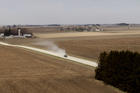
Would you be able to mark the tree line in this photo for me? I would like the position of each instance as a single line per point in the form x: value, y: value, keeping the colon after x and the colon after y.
x: 120, y: 69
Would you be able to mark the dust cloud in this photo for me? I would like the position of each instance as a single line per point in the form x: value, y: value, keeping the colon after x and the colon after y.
x: 51, y: 46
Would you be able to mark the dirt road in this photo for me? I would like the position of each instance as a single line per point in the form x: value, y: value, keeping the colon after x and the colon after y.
x: 72, y: 58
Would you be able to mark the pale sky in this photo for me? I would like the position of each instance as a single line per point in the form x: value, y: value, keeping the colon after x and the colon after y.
x: 69, y: 11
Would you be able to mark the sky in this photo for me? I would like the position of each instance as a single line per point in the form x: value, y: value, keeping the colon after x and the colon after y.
x: 69, y: 11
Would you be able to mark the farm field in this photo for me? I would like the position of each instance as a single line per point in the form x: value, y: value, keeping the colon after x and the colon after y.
x: 31, y: 72
x: 82, y: 34
x: 91, y: 44
x: 24, y: 71
x: 87, y: 45
x: 91, y: 47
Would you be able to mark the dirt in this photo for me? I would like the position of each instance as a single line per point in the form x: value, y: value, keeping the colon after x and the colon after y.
x: 91, y: 47
x: 83, y: 34
x: 24, y: 71
x: 88, y: 47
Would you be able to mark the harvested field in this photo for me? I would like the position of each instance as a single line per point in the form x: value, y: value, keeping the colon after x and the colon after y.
x: 42, y: 73
x: 83, y: 34
x: 88, y: 45
x: 23, y: 71
x: 91, y: 47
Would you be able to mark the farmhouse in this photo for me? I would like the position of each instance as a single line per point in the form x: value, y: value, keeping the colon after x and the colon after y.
x: 15, y: 32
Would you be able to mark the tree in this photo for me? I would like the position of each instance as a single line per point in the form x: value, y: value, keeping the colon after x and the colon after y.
x: 120, y: 69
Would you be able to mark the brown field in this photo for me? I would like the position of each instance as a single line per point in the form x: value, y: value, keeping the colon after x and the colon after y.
x: 91, y: 44
x: 23, y: 71
x: 83, y: 34
x: 91, y: 47
x: 87, y: 44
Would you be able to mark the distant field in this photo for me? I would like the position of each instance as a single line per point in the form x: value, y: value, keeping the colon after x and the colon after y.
x: 91, y: 47
x: 88, y: 44
x: 83, y: 34
x: 91, y: 44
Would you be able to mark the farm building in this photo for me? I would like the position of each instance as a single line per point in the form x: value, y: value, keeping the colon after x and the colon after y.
x: 15, y: 32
